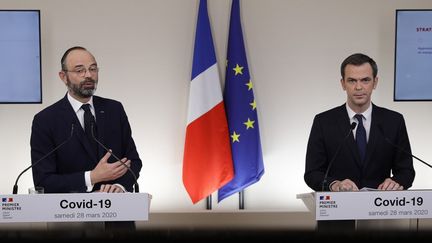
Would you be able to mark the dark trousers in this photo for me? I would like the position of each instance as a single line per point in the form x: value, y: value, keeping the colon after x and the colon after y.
x: 120, y: 226
x: 335, y: 226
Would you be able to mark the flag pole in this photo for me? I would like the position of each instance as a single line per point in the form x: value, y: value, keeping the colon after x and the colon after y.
x: 241, y: 199
x: 209, y: 202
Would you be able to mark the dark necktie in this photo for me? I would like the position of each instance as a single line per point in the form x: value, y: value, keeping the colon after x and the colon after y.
x: 89, y: 125
x: 361, y: 136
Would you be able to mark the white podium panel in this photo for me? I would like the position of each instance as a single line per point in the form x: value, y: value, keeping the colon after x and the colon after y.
x: 74, y: 207
x: 369, y: 204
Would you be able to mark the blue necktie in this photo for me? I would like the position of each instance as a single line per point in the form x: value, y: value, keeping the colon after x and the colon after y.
x: 89, y: 124
x: 361, y: 137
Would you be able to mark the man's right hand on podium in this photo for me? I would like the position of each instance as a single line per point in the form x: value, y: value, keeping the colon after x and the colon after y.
x: 343, y: 186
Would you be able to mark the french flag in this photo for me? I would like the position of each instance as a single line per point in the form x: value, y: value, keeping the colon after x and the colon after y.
x: 207, y: 160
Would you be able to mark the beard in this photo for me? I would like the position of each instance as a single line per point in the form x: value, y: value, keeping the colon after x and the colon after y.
x: 80, y: 90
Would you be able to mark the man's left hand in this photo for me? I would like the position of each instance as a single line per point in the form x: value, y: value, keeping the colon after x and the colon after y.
x: 390, y: 185
x: 110, y: 188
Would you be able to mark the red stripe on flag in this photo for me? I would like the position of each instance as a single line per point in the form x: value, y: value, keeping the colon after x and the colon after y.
x: 207, y: 161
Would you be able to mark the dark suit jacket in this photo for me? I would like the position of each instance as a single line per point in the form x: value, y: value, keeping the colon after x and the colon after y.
x: 382, y: 159
x: 63, y: 171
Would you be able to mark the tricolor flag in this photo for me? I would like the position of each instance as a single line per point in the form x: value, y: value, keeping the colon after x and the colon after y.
x: 6, y: 199
x: 241, y: 110
x: 207, y: 162
x: 324, y: 198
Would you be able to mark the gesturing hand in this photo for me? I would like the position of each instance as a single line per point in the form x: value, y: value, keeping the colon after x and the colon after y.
x: 105, y: 171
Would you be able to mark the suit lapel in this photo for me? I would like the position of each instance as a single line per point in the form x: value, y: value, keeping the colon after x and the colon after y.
x: 344, y: 124
x: 100, y: 122
x: 373, y: 136
x: 68, y: 115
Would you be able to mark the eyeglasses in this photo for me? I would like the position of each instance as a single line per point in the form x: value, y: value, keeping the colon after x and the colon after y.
x: 82, y: 71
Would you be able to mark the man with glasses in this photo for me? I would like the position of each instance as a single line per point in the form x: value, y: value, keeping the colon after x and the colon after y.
x: 83, y: 120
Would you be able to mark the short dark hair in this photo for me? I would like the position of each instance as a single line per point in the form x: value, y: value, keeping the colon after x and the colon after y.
x: 358, y: 59
x: 63, y: 59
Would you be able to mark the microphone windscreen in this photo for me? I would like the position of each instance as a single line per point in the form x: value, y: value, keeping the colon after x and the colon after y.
x: 353, y: 125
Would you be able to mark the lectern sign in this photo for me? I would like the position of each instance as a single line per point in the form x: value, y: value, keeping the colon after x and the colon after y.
x: 373, y: 205
x: 73, y: 207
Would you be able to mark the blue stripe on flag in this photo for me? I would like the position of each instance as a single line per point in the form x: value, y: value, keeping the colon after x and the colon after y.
x: 204, y: 55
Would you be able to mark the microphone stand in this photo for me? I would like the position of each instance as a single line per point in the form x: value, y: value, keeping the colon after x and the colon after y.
x: 352, y: 126
x: 15, y: 187
x: 400, y: 148
x: 136, y: 186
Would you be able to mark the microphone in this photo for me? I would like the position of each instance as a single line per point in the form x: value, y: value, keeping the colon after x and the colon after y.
x: 352, y: 126
x: 136, y: 186
x: 15, y: 187
x: 400, y: 148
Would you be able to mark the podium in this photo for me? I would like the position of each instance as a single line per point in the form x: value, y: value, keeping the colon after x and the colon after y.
x: 404, y: 206
x: 75, y: 207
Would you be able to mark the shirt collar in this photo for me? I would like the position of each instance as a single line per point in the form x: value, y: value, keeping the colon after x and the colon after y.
x: 76, y: 105
x: 366, y: 114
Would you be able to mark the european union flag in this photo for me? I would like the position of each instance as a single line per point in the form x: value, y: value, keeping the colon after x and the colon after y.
x: 240, y: 106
